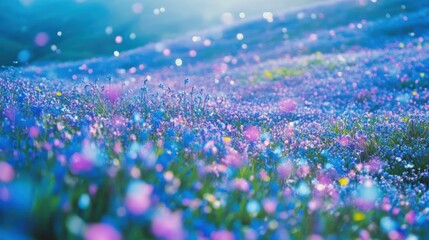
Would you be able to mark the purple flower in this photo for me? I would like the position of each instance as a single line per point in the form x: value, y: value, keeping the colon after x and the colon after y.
x: 344, y: 141
x: 269, y: 205
x: 222, y: 235
x: 80, y: 163
x: 168, y: 225
x: 138, y: 198
x: 101, y: 231
x: 113, y: 93
x: 285, y: 169
x: 287, y: 105
x: 241, y: 184
x: 410, y: 217
x: 252, y: 133
x: 33, y: 132
x: 233, y: 159
x: 7, y: 173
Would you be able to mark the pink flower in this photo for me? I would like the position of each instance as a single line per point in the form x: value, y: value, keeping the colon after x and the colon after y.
x: 269, y: 205
x: 303, y: 171
x: 168, y: 225
x: 222, y: 235
x: 117, y: 148
x: 113, y: 92
x: 285, y: 169
x: 410, y: 217
x: 241, y: 184
x: 287, y: 105
x: 33, y: 132
x: 80, y: 163
x: 315, y: 237
x: 215, y: 168
x: 252, y: 133
x: 344, y: 141
x: 101, y: 231
x: 7, y: 173
x: 210, y: 147
x: 364, y: 235
x: 118, y: 120
x: 374, y: 165
x: 138, y: 198
x: 233, y: 159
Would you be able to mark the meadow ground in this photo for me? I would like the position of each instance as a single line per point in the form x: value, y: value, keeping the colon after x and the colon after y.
x: 311, y: 124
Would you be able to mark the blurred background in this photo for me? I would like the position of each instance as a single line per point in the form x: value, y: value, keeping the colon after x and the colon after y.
x: 64, y: 30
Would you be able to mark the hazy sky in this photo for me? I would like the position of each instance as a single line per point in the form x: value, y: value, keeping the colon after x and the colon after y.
x: 90, y: 27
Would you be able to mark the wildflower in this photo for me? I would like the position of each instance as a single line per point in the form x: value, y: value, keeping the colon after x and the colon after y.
x: 222, y: 235
x: 80, y: 163
x: 33, y: 132
x: 113, y: 92
x: 168, y: 225
x: 358, y: 216
x: 284, y: 170
x: 344, y: 141
x: 233, y: 159
x: 410, y: 217
x: 269, y: 205
x: 241, y: 184
x: 7, y: 173
x: 252, y: 133
x: 343, y: 181
x: 287, y: 105
x: 138, y: 198
x: 303, y: 171
x: 102, y: 231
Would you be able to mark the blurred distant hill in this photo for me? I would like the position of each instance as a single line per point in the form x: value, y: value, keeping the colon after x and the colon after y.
x: 89, y: 27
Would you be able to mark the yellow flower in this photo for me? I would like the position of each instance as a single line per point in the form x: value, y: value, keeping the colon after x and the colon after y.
x: 268, y: 74
x: 343, y: 181
x: 59, y: 94
x: 358, y: 216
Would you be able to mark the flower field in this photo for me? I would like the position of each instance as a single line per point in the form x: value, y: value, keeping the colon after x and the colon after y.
x: 309, y: 124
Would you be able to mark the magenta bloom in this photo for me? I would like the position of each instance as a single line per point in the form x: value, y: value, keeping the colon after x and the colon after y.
x: 102, y: 231
x: 252, y: 133
x: 285, y: 169
x: 117, y: 148
x: 374, y: 165
x: 7, y: 173
x: 222, y: 235
x: 168, y: 225
x: 113, y: 92
x: 80, y: 163
x: 269, y: 205
x: 287, y: 105
x: 410, y: 217
x: 33, y: 132
x: 344, y: 141
x: 138, y: 197
x: 241, y: 184
x: 233, y: 159
x: 364, y: 235
x: 303, y: 171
